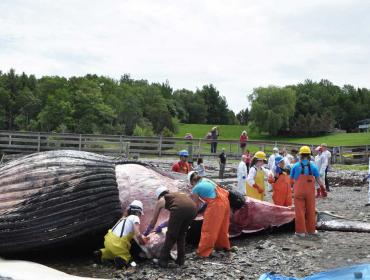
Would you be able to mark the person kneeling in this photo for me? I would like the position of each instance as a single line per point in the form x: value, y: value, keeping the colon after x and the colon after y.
x: 117, y: 242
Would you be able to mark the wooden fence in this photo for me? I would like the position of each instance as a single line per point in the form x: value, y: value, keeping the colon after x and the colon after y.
x: 30, y: 142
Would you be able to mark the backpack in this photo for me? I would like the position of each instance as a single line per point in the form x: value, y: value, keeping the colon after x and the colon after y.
x: 236, y: 199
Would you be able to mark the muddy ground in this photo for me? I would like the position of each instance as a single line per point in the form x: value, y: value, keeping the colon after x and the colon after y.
x: 279, y: 251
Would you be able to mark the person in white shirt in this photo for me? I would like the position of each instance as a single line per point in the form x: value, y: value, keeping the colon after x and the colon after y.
x: 327, y: 154
x: 257, y: 176
x: 241, y: 173
x: 200, y: 168
x: 321, y: 163
x: 117, y: 242
x: 271, y: 163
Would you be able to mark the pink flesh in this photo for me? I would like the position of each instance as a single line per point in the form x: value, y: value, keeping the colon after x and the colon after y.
x: 258, y: 215
x: 139, y: 182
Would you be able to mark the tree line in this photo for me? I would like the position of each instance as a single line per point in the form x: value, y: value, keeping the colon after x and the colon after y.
x: 309, y: 108
x: 98, y: 104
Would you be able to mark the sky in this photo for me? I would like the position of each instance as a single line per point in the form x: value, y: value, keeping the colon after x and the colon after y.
x: 235, y: 45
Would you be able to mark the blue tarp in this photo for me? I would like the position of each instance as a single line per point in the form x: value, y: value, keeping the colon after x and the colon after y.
x: 361, y: 271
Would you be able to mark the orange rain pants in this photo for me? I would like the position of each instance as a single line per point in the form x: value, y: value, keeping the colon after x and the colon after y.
x: 216, y: 220
x: 282, y: 192
x: 304, y: 204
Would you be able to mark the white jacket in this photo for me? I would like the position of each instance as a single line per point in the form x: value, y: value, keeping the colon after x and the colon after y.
x: 242, y: 177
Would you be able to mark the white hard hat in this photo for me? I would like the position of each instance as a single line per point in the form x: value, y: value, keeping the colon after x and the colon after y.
x: 160, y: 190
x: 137, y: 205
x: 190, y: 175
x: 275, y: 149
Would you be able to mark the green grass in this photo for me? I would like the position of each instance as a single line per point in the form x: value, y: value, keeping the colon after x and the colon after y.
x: 232, y: 132
x: 355, y: 167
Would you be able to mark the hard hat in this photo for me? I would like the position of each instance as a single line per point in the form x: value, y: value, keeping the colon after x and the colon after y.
x: 323, y: 145
x: 278, y: 159
x: 160, y: 190
x: 137, y: 205
x: 183, y: 153
x: 275, y: 149
x: 305, y: 150
x: 191, y: 174
x: 260, y: 155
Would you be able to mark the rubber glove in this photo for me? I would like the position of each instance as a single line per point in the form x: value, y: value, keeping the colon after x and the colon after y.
x: 148, y: 230
x: 259, y: 189
x: 159, y: 228
x: 243, y: 177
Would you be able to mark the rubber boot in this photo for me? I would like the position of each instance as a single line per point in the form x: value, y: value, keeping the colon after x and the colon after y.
x: 323, y: 191
x: 318, y: 193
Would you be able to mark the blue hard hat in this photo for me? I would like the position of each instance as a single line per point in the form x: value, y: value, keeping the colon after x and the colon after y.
x: 278, y: 159
x: 183, y: 153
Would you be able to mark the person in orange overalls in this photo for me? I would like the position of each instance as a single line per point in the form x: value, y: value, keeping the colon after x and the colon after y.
x: 282, y: 191
x: 182, y: 166
x: 216, y: 218
x: 304, y: 173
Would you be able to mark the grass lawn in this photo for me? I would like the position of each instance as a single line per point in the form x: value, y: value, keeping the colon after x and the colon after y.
x: 232, y: 132
x: 351, y: 167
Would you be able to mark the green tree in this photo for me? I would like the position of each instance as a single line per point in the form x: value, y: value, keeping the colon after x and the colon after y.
x: 272, y: 107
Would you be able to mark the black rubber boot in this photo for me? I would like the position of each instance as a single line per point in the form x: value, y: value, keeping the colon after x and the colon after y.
x: 119, y: 263
x: 97, y: 257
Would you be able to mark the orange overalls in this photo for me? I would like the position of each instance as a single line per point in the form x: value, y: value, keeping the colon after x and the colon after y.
x: 282, y: 192
x: 304, y: 202
x: 216, y: 220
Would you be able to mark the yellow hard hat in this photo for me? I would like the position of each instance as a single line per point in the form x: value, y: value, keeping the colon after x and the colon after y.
x: 305, y: 150
x: 260, y: 155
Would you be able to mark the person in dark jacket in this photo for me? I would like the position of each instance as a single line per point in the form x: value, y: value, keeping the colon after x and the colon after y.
x: 182, y: 212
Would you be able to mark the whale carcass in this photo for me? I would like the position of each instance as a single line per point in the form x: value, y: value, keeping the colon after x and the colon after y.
x: 52, y: 198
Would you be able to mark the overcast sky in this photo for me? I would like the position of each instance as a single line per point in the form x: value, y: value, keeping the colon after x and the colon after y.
x: 235, y: 45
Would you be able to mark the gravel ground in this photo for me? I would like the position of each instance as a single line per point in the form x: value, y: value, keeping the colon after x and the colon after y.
x: 280, y: 252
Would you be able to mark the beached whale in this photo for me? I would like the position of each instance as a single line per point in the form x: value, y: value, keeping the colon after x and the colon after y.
x: 57, y: 197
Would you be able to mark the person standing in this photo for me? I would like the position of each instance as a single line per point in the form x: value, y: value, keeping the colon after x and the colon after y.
x: 321, y: 163
x: 200, y: 168
x: 282, y: 191
x: 242, y: 175
x: 243, y: 141
x: 304, y: 173
x: 256, y: 177
x: 182, y: 166
x: 222, y: 163
x: 248, y: 160
x: 271, y: 163
x: 327, y: 154
x: 117, y: 242
x: 183, y: 210
x: 216, y: 218
x: 214, y: 136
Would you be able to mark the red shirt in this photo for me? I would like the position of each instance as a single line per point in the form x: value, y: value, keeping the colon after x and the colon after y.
x: 243, y: 138
x: 181, y: 167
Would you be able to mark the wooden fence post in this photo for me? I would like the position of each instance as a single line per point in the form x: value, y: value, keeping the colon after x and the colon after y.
x: 340, y: 154
x: 199, y: 147
x: 160, y: 145
x: 10, y: 140
x: 120, y: 144
x: 38, y: 142
x: 80, y: 143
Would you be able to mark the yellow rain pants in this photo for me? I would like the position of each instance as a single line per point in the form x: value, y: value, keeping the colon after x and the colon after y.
x: 117, y: 246
x: 260, y: 181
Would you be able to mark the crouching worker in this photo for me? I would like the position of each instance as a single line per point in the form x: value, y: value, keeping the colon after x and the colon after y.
x: 117, y: 242
x: 257, y: 176
x: 282, y: 191
x: 182, y: 212
x: 304, y: 173
x: 216, y: 218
